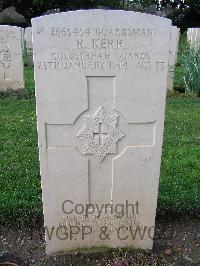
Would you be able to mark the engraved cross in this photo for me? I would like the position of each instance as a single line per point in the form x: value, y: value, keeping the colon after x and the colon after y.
x: 118, y: 139
x: 100, y: 134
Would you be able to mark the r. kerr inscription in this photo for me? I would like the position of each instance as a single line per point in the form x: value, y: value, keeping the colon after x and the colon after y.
x: 102, y: 49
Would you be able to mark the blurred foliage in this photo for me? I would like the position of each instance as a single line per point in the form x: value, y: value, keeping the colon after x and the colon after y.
x: 184, y: 13
x: 190, y: 61
x: 187, y: 69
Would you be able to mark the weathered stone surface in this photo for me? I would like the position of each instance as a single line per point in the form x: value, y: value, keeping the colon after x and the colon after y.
x: 101, y: 81
x: 11, y: 59
x: 23, y: 31
x: 174, y: 39
x: 29, y: 44
x: 193, y: 36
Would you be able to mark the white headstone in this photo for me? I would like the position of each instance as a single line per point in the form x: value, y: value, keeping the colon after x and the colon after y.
x: 22, y: 31
x: 101, y: 81
x: 29, y: 44
x: 174, y: 40
x: 193, y: 36
x: 11, y: 58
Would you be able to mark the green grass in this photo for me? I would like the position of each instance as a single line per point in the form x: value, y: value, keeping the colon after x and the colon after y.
x: 180, y: 169
x: 29, y: 81
x: 20, y: 194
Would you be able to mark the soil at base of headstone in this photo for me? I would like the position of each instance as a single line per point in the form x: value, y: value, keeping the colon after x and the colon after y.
x: 177, y: 242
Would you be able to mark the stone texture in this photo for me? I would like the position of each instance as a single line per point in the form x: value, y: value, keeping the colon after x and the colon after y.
x: 101, y: 81
x: 11, y: 58
x: 29, y: 44
x: 174, y: 40
x: 193, y: 36
x: 23, y: 32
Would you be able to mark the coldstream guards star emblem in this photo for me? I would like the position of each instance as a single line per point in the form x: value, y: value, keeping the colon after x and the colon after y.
x: 100, y: 134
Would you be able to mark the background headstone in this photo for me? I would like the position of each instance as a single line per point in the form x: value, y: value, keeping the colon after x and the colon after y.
x: 10, y: 15
x: 101, y: 81
x: 11, y: 58
x: 23, y: 44
x: 193, y: 36
x: 28, y: 44
x: 174, y: 40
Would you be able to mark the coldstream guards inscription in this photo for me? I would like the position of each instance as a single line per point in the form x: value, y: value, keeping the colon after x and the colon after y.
x: 101, y: 79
